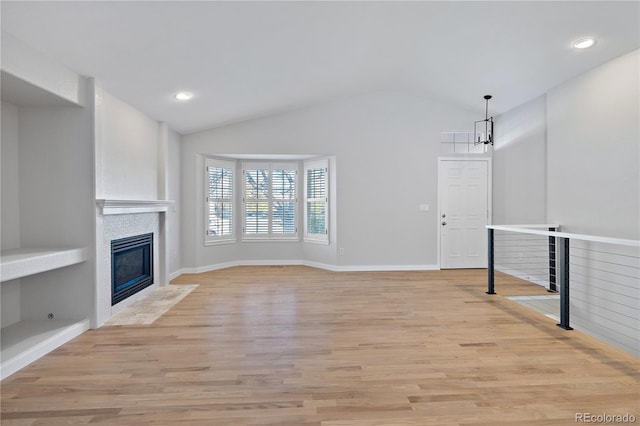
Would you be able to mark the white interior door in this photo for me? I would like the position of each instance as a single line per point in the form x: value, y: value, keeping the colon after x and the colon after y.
x: 464, y: 212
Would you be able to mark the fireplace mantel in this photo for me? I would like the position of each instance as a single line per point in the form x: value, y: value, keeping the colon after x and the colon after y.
x: 133, y: 206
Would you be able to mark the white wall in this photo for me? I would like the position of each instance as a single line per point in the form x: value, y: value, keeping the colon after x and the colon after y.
x: 128, y: 152
x: 383, y: 142
x: 22, y: 61
x: 593, y: 135
x: 174, y: 213
x: 519, y: 165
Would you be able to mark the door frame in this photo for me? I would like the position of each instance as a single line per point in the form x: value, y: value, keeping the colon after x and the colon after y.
x: 442, y: 159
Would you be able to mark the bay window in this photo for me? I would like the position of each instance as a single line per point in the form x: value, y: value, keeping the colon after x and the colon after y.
x: 219, y: 201
x: 270, y: 201
x: 316, y: 197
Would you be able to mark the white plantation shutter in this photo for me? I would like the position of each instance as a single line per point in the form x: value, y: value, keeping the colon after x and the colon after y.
x: 283, y: 207
x: 316, y: 197
x: 270, y: 201
x: 256, y: 199
x: 219, y: 203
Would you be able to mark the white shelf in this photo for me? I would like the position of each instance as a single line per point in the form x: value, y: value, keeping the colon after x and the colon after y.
x: 133, y: 206
x: 22, y: 262
x: 26, y: 341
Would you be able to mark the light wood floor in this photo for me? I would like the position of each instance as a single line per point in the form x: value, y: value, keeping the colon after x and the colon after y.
x: 300, y: 346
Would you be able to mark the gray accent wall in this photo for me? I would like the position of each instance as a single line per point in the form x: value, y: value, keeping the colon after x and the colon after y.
x: 10, y: 215
x: 520, y: 166
x: 384, y: 146
x: 593, y: 129
x: 10, y: 178
x: 572, y: 156
x: 576, y: 152
x: 56, y: 171
x: 174, y: 213
x: 593, y: 135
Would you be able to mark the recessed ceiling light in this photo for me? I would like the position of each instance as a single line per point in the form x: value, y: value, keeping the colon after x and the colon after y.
x: 184, y: 96
x: 584, y: 43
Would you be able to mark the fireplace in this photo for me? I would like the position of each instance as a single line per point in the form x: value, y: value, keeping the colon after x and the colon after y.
x: 131, y: 266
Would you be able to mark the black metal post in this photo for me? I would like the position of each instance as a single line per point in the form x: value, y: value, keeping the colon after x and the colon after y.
x: 552, y: 264
x: 490, y: 271
x: 564, y: 282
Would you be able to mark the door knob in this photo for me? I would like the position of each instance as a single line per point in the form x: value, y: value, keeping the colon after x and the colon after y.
x: 444, y: 215
x: 444, y: 223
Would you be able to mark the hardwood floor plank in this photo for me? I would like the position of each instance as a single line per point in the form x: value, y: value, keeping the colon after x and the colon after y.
x: 60, y: 413
x: 301, y: 346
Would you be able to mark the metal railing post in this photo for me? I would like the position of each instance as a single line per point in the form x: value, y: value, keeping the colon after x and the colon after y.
x: 552, y: 263
x: 490, y: 270
x: 563, y: 251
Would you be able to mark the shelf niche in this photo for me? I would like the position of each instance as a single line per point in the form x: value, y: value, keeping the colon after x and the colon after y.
x: 22, y: 262
x: 46, y: 267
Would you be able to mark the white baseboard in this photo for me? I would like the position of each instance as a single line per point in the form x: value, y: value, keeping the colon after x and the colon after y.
x: 319, y: 265
x: 381, y: 268
x: 269, y: 262
x: 26, y: 341
x: 325, y: 266
x: 175, y: 274
x: 208, y: 268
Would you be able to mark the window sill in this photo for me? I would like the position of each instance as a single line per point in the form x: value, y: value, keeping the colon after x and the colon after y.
x: 270, y: 240
x: 313, y: 241
x: 219, y: 242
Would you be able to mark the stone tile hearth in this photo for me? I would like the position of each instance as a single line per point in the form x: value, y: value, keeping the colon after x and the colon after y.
x: 152, y: 307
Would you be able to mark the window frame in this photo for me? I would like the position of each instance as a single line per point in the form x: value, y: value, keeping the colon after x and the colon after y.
x: 311, y: 165
x: 270, y: 200
x: 225, y: 238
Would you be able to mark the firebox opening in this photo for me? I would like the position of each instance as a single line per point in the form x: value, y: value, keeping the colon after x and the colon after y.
x: 131, y: 266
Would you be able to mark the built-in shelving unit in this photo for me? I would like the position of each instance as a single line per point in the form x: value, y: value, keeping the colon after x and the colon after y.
x: 26, y: 341
x: 18, y: 263
x: 61, y: 144
x: 47, y: 269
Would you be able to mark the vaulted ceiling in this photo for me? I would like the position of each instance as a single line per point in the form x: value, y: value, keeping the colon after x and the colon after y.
x: 244, y: 60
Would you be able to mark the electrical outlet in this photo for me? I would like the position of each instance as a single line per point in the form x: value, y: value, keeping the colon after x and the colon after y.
x: 341, y: 250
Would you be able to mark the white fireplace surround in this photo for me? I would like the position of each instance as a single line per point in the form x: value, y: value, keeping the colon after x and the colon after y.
x: 124, y: 218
